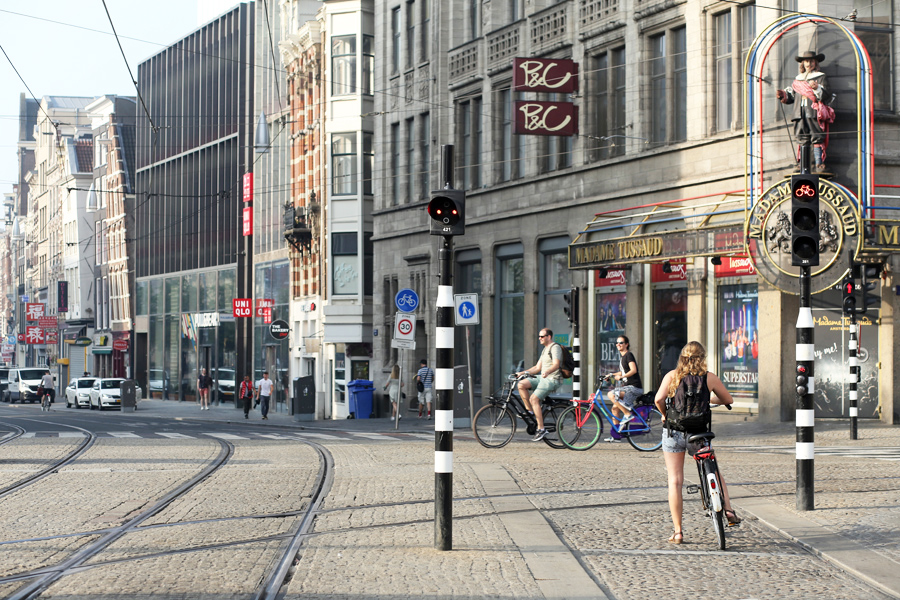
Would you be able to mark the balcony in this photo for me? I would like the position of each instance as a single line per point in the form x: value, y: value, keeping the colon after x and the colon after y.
x: 502, y: 45
x: 464, y: 62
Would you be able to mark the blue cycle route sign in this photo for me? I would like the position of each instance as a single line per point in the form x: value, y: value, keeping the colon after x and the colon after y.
x: 406, y: 300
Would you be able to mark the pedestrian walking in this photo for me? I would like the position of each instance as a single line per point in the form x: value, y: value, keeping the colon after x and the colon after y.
x: 392, y: 387
x: 425, y: 388
x: 264, y: 394
x: 691, y: 362
x: 204, y: 382
x: 246, y: 395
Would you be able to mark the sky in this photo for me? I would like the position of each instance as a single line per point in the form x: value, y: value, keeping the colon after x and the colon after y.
x: 66, y: 48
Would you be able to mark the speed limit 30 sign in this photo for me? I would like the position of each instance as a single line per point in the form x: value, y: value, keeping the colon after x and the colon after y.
x: 404, y: 331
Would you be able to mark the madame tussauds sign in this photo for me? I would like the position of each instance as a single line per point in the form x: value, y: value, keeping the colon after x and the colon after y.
x: 768, y: 236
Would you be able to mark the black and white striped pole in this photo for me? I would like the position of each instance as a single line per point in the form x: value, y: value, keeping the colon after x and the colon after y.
x: 571, y: 310
x: 854, y: 377
x: 805, y: 254
x: 447, y: 212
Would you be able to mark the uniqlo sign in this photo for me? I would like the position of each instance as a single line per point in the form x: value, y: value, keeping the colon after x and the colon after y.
x: 34, y: 335
x: 242, y: 307
x: 248, y: 220
x: 248, y: 187
x: 34, y: 311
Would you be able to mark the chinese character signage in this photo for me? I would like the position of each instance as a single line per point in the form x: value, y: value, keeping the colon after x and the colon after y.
x: 34, y: 311
x: 248, y: 220
x: 62, y: 296
x: 34, y: 335
x: 248, y: 187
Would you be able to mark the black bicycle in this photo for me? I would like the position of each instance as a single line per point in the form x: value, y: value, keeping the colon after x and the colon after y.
x: 494, y: 424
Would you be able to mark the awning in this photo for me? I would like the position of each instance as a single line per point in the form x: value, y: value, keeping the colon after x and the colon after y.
x: 103, y: 350
x: 707, y: 225
x: 71, y: 332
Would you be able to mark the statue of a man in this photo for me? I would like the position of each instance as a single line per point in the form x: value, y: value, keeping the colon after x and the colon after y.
x: 812, y: 114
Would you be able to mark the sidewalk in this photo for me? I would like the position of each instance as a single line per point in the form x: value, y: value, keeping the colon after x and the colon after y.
x: 514, y: 538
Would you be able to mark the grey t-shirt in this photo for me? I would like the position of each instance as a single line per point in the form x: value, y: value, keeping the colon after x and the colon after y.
x: 551, y: 352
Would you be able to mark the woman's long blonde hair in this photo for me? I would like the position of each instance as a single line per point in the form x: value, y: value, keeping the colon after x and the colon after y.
x: 691, y: 361
x: 395, y: 372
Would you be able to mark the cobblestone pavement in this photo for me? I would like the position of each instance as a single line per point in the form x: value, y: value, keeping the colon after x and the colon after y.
x: 528, y: 521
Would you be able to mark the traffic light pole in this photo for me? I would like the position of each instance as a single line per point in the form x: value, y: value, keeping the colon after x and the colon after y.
x: 854, y: 378
x: 443, y: 380
x: 805, y: 412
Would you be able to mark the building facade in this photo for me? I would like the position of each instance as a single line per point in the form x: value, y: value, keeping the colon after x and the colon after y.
x: 661, y: 122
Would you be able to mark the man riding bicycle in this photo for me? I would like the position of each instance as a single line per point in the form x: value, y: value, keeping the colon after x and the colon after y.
x: 533, y: 389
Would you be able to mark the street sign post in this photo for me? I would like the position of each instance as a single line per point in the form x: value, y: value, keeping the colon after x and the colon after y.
x: 404, y: 331
x: 406, y: 300
x: 466, y: 313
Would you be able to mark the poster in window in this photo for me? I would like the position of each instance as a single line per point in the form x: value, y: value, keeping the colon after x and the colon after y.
x: 610, y: 325
x: 739, y: 347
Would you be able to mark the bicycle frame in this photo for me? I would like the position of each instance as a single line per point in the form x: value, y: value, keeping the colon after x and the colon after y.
x: 637, y: 425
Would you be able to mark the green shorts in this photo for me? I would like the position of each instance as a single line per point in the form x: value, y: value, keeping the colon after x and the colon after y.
x: 542, y: 387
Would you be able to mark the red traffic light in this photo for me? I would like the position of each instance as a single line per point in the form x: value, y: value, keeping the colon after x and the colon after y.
x: 849, y: 288
x: 804, y: 190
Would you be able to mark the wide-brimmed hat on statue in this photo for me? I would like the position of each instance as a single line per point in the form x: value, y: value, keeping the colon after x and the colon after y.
x: 810, y: 55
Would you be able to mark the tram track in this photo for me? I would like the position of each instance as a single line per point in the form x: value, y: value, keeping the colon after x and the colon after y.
x: 90, y: 556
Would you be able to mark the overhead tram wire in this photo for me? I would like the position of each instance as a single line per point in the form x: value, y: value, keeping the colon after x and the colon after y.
x: 130, y: 74
x: 19, y: 75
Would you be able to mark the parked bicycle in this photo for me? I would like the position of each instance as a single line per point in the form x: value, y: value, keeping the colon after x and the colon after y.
x: 712, y: 496
x: 494, y: 424
x: 579, y: 426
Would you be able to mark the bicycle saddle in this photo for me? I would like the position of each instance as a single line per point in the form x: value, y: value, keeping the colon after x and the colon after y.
x: 696, y: 437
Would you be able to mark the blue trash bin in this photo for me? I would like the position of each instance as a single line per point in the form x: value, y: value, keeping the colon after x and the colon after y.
x: 361, y: 398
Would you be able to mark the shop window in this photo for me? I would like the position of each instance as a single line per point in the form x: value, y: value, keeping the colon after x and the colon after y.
x: 510, y: 308
x: 738, y: 330
x: 610, y: 324
x: 207, y: 291
x: 227, y: 290
x: 173, y: 295
x: 669, y: 332
x: 140, y: 300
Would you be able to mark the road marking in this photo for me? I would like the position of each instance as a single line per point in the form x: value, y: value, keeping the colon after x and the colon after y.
x: 70, y: 434
x: 177, y: 436
x: 376, y: 436
x: 321, y: 436
x: 275, y: 436
x: 225, y: 436
x: 30, y: 434
x: 877, y: 452
x: 122, y: 434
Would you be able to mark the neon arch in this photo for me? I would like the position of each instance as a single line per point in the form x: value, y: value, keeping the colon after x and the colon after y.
x: 753, y: 107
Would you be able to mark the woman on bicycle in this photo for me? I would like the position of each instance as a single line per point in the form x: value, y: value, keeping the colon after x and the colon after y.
x: 691, y: 361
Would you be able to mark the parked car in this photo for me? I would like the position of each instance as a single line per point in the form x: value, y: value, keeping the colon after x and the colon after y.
x: 24, y: 384
x: 224, y: 385
x: 107, y: 393
x: 78, y: 392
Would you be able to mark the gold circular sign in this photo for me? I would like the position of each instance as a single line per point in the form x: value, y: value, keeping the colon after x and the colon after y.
x: 767, y: 235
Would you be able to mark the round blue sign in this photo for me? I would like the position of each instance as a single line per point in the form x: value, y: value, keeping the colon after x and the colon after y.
x: 406, y: 300
x: 466, y: 310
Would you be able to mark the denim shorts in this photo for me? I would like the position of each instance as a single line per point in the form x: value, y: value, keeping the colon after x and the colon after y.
x: 631, y: 394
x: 676, y: 441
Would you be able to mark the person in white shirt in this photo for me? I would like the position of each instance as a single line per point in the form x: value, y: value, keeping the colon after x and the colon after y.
x: 264, y: 394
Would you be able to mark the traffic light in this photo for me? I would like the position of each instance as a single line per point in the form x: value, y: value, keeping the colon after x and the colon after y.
x: 571, y: 305
x: 804, y: 220
x: 447, y: 210
x: 802, y: 380
x: 870, y: 276
x: 848, y: 287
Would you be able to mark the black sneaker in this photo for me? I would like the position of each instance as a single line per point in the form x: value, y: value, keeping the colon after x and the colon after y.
x: 539, y: 435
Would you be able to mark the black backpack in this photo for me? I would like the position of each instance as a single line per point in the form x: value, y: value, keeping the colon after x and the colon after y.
x: 567, y: 363
x: 688, y: 410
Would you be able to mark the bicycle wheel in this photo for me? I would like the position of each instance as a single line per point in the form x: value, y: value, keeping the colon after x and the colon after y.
x: 551, y: 417
x: 493, y: 426
x: 719, y: 526
x: 579, y: 438
x: 649, y: 439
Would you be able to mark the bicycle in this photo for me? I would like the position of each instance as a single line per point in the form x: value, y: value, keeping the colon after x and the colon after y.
x: 494, y: 424
x: 45, y: 401
x: 580, y: 428
x: 711, y: 497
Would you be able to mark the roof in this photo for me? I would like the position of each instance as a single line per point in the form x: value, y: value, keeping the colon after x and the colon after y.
x: 84, y: 153
x: 68, y: 101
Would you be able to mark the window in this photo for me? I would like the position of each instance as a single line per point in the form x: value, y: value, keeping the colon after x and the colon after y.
x: 425, y: 164
x: 471, y: 139
x: 510, y: 299
x: 474, y: 20
x: 609, y: 104
x: 395, y: 40
x: 410, y: 34
x: 723, y: 58
x: 368, y: 65
x: 426, y: 29
x: 513, y: 11
x: 556, y: 281
x: 343, y: 65
x: 343, y: 161
x: 557, y: 148
x: 345, y: 264
x: 668, y: 87
x: 410, y: 160
x: 368, y: 161
x: 874, y: 27
x: 748, y: 34
x: 395, y: 164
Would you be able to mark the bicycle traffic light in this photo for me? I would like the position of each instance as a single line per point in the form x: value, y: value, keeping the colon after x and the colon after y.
x: 802, y: 380
x: 848, y: 288
x: 447, y: 210
x: 804, y: 220
x: 571, y: 305
x: 870, y: 276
